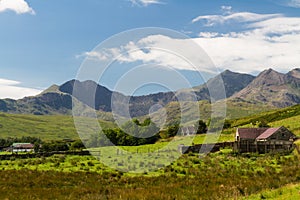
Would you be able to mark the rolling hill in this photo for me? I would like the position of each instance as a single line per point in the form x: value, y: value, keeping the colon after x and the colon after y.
x: 57, y: 127
x: 46, y: 127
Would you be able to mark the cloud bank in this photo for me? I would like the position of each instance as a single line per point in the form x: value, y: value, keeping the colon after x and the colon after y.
x: 212, y: 20
x: 10, y: 89
x: 18, y: 6
x: 264, y: 41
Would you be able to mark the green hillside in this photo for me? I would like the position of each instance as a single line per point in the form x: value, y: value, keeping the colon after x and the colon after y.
x: 44, y: 127
x: 235, y: 109
x: 57, y: 127
x: 288, y: 117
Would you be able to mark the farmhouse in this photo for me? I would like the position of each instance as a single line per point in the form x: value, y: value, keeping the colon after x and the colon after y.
x: 187, y: 131
x: 263, y: 140
x: 22, y: 147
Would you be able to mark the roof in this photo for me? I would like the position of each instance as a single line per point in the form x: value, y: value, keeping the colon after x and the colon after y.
x: 189, y: 129
x: 257, y: 133
x: 267, y: 133
x: 250, y: 133
x: 23, y: 145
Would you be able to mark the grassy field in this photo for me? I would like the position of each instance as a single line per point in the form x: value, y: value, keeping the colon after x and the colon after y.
x: 288, y: 192
x: 169, y: 175
x: 292, y: 123
x: 221, y: 175
x: 46, y: 128
x: 288, y: 117
x: 269, y: 116
x: 61, y: 126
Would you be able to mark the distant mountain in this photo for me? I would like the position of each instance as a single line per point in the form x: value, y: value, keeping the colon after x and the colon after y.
x: 273, y: 88
x: 44, y: 104
x: 233, y: 83
x: 269, y: 87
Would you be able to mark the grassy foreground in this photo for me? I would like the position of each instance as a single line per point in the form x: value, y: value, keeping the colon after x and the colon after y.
x: 289, y: 192
x: 221, y: 175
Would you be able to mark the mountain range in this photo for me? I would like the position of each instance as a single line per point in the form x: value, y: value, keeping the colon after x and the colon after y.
x: 269, y: 88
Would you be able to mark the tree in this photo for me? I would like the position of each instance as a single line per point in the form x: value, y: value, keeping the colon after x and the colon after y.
x: 36, y: 147
x: 227, y: 124
x: 202, y: 127
x: 172, y: 130
x: 77, y: 145
x: 136, y: 121
x: 263, y: 124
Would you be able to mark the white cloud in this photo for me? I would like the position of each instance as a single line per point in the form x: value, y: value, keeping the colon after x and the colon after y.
x: 211, y: 20
x: 294, y: 3
x: 266, y: 41
x: 18, y: 6
x: 208, y: 34
x: 145, y: 2
x: 10, y: 89
x: 269, y: 43
x: 157, y: 50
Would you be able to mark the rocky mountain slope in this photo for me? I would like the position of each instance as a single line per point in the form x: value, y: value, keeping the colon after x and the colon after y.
x: 269, y: 87
x: 273, y: 88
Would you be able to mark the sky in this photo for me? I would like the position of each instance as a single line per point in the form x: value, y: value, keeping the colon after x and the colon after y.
x: 46, y: 42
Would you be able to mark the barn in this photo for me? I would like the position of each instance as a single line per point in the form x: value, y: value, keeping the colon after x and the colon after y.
x: 22, y: 147
x: 187, y: 131
x: 263, y: 140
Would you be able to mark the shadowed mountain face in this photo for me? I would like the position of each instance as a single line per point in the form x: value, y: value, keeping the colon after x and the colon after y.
x: 273, y: 88
x: 269, y: 87
x: 89, y: 93
x: 233, y: 83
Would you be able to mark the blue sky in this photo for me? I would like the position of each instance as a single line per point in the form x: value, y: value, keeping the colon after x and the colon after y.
x: 45, y: 42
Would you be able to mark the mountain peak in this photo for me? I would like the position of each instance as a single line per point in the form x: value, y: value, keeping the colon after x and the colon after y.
x: 268, y: 71
x: 295, y: 73
x: 227, y: 71
x: 273, y: 88
x: 268, y: 77
x: 52, y: 89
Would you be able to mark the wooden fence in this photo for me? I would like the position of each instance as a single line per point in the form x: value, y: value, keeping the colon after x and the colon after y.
x: 39, y: 155
x: 204, y: 148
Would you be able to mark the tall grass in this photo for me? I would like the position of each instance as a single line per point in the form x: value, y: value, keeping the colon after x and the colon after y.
x: 220, y: 175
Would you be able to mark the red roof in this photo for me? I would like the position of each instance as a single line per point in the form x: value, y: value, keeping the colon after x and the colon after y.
x: 267, y: 133
x: 250, y: 133
x: 23, y: 146
x: 256, y: 133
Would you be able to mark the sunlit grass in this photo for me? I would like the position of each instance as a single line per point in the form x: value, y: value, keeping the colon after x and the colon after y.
x: 288, y: 192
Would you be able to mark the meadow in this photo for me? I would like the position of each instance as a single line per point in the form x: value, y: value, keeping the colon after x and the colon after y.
x: 163, y: 173
x: 290, y: 191
x: 45, y: 127
x: 221, y: 175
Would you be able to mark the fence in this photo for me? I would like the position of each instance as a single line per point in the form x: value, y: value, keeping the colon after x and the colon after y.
x: 45, y: 154
x: 204, y: 148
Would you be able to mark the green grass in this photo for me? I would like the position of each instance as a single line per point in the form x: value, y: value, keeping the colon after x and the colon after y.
x: 287, y: 192
x: 269, y: 116
x: 234, y: 110
x: 221, y: 175
x: 292, y: 123
x: 44, y: 127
